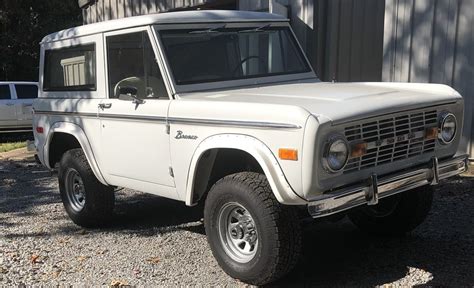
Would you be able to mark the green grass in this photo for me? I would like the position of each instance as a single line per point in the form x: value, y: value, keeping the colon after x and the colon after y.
x: 5, y: 147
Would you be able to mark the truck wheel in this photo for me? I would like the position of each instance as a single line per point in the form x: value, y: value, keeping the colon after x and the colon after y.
x: 88, y: 202
x: 253, y: 237
x: 395, y: 215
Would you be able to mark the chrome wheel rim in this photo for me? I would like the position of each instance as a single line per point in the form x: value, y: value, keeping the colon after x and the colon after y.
x: 238, y: 232
x: 75, y: 190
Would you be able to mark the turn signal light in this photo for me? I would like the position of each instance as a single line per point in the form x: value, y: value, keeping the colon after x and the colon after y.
x: 288, y: 154
x: 431, y: 133
x: 358, y: 150
x: 39, y: 130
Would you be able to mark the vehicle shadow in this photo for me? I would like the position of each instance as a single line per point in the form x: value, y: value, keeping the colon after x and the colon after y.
x: 140, y: 212
x: 337, y: 254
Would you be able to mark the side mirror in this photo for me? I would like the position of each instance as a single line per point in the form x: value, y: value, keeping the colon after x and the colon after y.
x: 129, y: 93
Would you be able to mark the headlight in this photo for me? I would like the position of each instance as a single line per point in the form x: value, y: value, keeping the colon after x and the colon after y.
x: 447, y: 128
x: 336, y: 154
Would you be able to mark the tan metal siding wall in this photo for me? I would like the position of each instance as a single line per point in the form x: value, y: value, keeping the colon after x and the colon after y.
x: 432, y: 41
x: 354, y: 37
x: 103, y: 10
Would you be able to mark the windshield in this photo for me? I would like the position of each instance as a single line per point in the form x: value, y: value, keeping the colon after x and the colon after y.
x: 222, y: 54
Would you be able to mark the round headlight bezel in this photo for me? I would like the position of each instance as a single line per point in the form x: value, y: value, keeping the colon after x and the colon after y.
x: 333, y: 139
x: 443, y: 119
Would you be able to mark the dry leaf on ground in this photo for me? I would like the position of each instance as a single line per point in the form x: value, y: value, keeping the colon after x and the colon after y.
x: 154, y: 260
x: 34, y: 259
x: 82, y: 258
x: 118, y: 283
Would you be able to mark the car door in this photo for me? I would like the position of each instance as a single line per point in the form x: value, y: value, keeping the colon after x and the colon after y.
x: 7, y: 107
x: 135, y: 144
x: 25, y: 94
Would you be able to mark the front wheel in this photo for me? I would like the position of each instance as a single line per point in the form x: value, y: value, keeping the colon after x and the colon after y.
x: 253, y: 237
x: 395, y: 215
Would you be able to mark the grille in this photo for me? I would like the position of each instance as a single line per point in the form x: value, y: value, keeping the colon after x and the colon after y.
x: 391, y: 139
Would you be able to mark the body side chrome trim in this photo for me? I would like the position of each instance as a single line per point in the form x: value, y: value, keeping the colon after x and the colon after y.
x: 189, y: 121
x: 254, y: 124
x: 58, y: 113
x: 133, y: 117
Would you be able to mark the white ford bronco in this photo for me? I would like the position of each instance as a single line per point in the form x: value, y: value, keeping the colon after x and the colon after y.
x: 223, y: 108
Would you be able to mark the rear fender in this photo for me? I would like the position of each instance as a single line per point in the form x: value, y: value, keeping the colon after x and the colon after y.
x: 77, y: 132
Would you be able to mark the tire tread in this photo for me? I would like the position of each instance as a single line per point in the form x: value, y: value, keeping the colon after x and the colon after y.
x: 289, y: 243
x: 98, y: 211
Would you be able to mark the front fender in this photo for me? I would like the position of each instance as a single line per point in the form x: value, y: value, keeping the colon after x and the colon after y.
x: 262, y: 154
x: 77, y: 132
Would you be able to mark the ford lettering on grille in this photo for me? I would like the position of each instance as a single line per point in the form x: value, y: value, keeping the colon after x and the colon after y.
x: 391, y: 138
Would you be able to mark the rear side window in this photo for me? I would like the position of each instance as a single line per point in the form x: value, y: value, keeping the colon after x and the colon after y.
x: 5, y: 92
x: 70, y: 69
x: 26, y: 91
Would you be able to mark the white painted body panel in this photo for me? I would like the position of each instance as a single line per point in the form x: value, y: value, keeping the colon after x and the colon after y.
x: 142, y: 144
x: 338, y: 102
x: 84, y: 128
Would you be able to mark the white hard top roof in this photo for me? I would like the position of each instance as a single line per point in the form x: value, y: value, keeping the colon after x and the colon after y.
x: 201, y: 16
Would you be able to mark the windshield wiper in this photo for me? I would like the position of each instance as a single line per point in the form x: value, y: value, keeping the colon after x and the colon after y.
x: 258, y: 29
x: 210, y: 30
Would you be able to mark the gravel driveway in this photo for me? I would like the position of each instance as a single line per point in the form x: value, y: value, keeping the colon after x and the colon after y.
x: 154, y: 241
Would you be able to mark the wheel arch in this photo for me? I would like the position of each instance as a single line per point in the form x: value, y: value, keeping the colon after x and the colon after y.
x: 205, y: 156
x: 71, y: 136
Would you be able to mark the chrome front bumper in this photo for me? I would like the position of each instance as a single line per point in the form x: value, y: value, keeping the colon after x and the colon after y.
x: 375, y: 188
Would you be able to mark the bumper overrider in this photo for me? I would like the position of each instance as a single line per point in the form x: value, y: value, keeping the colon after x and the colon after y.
x: 376, y: 188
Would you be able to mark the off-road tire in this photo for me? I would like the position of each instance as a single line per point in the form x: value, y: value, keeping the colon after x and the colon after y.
x: 412, y: 208
x: 279, y: 231
x: 99, y: 198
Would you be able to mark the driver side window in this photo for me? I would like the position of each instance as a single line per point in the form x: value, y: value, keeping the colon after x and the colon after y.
x: 132, y: 67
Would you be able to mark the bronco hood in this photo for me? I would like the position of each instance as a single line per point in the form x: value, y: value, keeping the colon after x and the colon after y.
x: 339, y: 102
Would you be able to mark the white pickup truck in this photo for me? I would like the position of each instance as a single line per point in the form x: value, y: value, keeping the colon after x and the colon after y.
x: 223, y: 108
x: 16, y: 99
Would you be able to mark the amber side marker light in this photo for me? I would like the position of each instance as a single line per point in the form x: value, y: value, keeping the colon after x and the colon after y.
x: 431, y: 133
x: 288, y: 154
x: 358, y: 150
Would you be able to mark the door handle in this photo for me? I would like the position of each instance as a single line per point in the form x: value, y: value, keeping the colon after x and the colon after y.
x: 10, y: 104
x: 105, y: 106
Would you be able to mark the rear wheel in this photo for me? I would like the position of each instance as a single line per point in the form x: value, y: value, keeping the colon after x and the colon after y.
x: 88, y: 202
x: 395, y: 215
x: 253, y: 237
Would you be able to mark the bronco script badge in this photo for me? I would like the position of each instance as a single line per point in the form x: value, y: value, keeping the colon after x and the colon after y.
x: 181, y: 135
